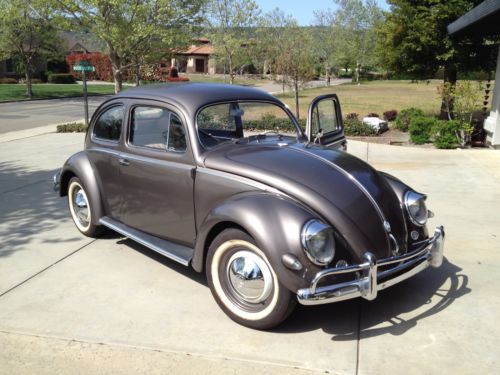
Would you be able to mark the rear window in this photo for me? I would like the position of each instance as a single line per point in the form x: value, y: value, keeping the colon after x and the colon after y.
x: 108, y: 126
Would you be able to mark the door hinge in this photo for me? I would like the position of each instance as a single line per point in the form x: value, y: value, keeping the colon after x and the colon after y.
x: 193, y: 173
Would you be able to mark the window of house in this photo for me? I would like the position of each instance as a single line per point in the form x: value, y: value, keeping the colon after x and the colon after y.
x: 109, y: 124
x: 9, y: 66
x: 157, y: 128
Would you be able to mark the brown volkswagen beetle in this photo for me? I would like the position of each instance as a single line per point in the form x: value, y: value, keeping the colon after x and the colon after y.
x: 203, y: 174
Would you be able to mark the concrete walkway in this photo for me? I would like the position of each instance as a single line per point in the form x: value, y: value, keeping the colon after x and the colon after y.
x: 70, y: 304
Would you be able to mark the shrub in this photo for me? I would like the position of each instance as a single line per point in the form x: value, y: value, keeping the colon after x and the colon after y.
x: 352, y: 116
x: 390, y: 115
x: 372, y: 114
x: 270, y: 122
x: 356, y: 127
x: 445, y: 134
x: 421, y: 129
x: 72, y: 127
x: 35, y: 81
x: 7, y: 80
x: 101, y: 62
x: 406, y: 117
x: 61, y: 78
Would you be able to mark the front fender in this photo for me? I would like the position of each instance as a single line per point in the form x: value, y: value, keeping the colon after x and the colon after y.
x: 273, y: 221
x: 80, y: 166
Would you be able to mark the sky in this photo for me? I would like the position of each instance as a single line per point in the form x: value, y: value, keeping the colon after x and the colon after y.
x: 302, y: 10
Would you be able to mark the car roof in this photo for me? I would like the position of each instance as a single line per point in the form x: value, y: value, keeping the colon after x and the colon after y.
x: 193, y: 95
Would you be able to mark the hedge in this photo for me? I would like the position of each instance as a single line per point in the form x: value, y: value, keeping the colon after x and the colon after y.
x: 61, y: 78
x: 354, y: 127
x: 72, y: 127
x: 7, y: 80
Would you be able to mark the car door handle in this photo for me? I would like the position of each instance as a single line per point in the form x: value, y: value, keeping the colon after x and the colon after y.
x: 124, y: 162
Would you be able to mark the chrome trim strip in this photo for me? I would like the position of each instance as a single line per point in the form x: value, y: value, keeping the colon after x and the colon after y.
x: 122, y: 229
x: 356, y: 182
x: 145, y: 159
x: 160, y: 162
x: 104, y: 150
x: 431, y: 254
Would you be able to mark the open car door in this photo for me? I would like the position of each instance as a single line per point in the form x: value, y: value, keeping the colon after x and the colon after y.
x: 324, y: 122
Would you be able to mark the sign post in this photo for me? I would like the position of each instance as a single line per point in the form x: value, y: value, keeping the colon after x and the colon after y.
x: 84, y: 67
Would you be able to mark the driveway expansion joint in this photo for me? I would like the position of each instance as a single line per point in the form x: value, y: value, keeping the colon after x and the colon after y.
x: 166, y: 351
x: 46, y: 268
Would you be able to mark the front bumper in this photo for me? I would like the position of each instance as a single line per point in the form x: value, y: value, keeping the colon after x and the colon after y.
x: 372, y: 280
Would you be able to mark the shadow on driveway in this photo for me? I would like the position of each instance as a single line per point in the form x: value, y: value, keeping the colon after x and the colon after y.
x: 29, y: 209
x: 422, y: 296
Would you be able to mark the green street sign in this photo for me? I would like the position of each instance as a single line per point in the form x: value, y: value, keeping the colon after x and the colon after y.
x: 81, y: 68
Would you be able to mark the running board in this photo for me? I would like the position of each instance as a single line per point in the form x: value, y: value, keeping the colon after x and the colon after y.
x: 179, y: 253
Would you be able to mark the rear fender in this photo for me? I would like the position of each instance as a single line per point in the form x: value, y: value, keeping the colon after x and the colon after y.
x: 79, y: 165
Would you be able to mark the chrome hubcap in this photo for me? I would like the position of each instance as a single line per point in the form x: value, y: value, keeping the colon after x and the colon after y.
x: 81, y: 206
x: 249, y: 277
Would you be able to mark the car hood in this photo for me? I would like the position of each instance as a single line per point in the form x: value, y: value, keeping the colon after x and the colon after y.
x: 345, y: 191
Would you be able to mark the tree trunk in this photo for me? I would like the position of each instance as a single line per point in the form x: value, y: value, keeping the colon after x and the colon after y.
x: 29, y: 86
x: 450, y: 75
x: 117, y: 76
x: 231, y: 73
x: 358, y: 68
x: 117, y: 73
x: 137, y: 75
x: 327, y: 73
x: 296, y: 89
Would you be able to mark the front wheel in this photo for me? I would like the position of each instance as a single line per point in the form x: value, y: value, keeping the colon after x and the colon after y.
x: 80, y: 208
x: 244, y: 283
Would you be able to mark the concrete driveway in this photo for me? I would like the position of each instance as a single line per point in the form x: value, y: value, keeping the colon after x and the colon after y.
x: 70, y: 304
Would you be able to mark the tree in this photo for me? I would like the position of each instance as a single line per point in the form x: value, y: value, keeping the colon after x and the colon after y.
x: 287, y: 49
x: 297, y: 64
x: 229, y: 23
x: 27, y: 35
x: 325, y: 42
x: 131, y: 26
x: 352, y: 35
x: 272, y: 36
x: 414, y: 39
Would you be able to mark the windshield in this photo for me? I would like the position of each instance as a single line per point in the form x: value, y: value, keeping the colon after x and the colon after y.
x: 229, y: 121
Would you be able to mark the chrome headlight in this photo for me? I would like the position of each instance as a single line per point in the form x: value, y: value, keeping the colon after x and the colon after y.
x: 415, y: 206
x: 318, y: 242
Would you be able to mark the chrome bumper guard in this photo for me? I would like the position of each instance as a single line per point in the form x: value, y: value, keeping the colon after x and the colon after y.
x: 367, y: 286
x: 57, y: 180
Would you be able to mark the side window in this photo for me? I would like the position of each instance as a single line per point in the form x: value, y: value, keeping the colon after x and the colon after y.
x: 109, y: 124
x: 157, y: 128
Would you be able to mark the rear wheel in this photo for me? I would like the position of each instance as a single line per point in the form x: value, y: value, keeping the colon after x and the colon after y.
x: 80, y: 208
x: 244, y: 283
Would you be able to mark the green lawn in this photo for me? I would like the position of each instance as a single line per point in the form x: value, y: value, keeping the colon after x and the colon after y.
x: 375, y: 96
x: 17, y: 92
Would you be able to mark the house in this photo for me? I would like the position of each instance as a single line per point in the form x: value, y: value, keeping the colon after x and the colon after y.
x: 78, y: 42
x: 198, y: 58
x: 7, y: 68
x: 483, y: 20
